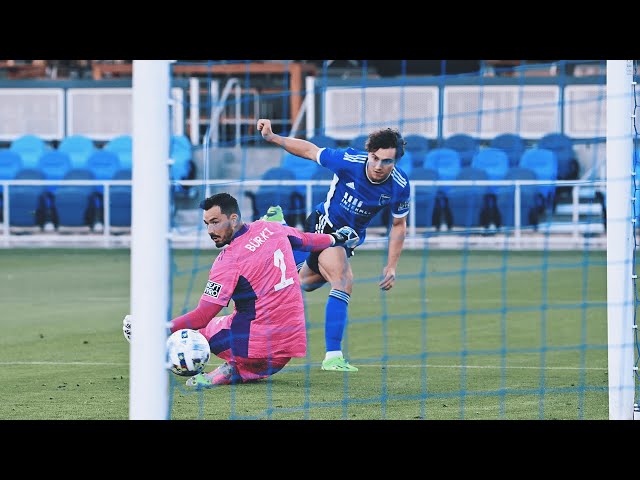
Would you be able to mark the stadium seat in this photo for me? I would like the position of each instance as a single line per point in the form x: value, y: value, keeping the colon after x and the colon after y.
x: 10, y: 165
x: 181, y: 153
x: 30, y: 148
x: 104, y: 164
x: 424, y: 195
x: 72, y: 201
x: 78, y: 147
x: 510, y: 143
x: 302, y: 169
x: 359, y: 142
x: 544, y: 164
x: 493, y: 161
x: 446, y: 162
x: 319, y: 192
x: 465, y: 145
x: 324, y: 141
x: 54, y: 164
x: 505, y: 198
x: 122, y: 146
x: 25, y: 200
x: 418, y: 146
x: 120, y: 201
x: 283, y: 195
x: 562, y: 146
x: 466, y: 202
x: 406, y: 163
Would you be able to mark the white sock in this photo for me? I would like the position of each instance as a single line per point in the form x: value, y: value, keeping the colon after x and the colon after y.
x: 333, y: 354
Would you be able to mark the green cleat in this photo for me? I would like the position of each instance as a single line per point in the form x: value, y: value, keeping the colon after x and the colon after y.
x: 225, y: 374
x: 338, y: 364
x: 274, y: 214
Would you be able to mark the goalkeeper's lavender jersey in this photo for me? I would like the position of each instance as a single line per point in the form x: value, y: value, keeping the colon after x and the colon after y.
x: 352, y: 198
x: 258, y: 272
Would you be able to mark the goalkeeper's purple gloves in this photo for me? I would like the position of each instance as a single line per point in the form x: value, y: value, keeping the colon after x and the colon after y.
x: 345, y: 237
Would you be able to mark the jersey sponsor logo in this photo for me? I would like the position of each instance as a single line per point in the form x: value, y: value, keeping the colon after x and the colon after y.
x: 403, y: 205
x: 351, y: 185
x: 384, y: 199
x: 354, y: 205
x: 212, y: 289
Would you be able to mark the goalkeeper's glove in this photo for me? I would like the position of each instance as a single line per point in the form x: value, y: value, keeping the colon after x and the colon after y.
x: 126, y: 327
x: 345, y: 237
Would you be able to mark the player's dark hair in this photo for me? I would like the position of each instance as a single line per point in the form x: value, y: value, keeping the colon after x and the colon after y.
x: 386, y: 138
x: 227, y: 203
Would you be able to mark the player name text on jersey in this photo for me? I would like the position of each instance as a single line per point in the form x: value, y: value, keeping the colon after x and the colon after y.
x: 257, y: 241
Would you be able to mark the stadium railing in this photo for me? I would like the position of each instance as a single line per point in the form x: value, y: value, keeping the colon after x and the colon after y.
x: 574, y: 231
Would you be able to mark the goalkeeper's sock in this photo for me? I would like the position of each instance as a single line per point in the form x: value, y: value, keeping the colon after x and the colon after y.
x: 335, y: 319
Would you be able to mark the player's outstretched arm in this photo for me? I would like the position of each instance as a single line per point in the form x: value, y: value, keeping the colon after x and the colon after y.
x: 296, y: 146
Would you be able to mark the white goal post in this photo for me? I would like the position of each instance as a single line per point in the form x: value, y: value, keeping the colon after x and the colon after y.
x: 148, y: 384
x: 620, y: 244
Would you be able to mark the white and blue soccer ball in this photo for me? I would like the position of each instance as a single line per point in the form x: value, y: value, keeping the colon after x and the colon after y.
x: 188, y: 352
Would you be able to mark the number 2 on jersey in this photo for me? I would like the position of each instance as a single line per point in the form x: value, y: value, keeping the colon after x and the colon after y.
x: 278, y: 261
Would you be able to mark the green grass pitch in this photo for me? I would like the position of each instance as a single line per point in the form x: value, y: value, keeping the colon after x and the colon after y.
x: 462, y: 335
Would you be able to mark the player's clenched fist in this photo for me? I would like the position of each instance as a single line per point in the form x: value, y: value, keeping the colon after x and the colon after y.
x: 264, y: 126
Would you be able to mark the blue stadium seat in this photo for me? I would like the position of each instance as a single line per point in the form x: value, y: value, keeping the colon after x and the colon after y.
x: 122, y: 146
x: 78, y: 147
x: 30, y: 148
x: 467, y: 201
x: 10, y: 164
x: 424, y: 195
x: 562, y: 146
x: 324, y: 141
x: 493, y: 161
x: 104, y: 164
x: 505, y: 198
x: 319, y: 192
x: 359, y: 142
x: 24, y: 200
x: 512, y: 144
x: 72, y: 201
x: 283, y: 195
x: 302, y: 169
x: 418, y: 146
x: 120, y: 201
x: 123, y: 174
x: 54, y: 164
x: 181, y: 153
x: 465, y: 145
x: 446, y: 162
x: 544, y: 164
x: 406, y: 163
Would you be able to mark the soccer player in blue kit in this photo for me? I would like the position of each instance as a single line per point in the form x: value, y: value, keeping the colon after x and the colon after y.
x: 364, y: 182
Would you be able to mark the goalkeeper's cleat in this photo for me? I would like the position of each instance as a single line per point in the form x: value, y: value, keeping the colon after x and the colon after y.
x: 225, y: 374
x: 274, y: 214
x: 338, y: 364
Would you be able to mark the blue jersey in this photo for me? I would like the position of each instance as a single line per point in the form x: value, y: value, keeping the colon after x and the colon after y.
x: 352, y: 198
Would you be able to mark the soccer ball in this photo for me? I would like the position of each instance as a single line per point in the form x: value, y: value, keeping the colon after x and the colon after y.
x: 188, y: 352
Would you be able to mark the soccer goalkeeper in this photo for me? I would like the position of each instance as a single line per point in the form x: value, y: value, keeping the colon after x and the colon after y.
x: 258, y: 272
